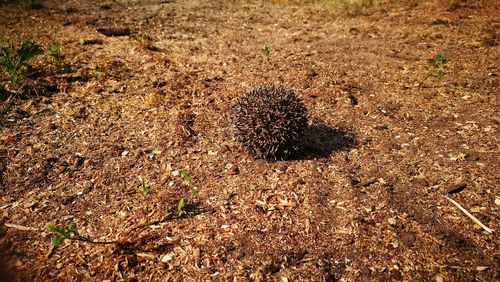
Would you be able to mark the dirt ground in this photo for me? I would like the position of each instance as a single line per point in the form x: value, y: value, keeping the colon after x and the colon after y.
x: 390, y: 135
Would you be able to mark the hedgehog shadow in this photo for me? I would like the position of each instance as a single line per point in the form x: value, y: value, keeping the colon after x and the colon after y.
x: 320, y: 141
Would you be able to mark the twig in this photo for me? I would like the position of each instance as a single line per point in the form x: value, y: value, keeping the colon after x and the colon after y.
x: 88, y: 240
x: 20, y: 227
x: 162, y: 220
x: 6, y: 206
x: 486, y: 228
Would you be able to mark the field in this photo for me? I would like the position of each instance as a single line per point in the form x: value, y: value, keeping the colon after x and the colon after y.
x: 119, y: 136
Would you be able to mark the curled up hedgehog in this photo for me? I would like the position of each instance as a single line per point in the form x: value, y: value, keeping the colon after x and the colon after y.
x: 269, y: 122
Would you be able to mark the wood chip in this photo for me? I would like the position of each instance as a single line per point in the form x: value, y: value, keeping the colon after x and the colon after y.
x: 168, y: 257
x: 261, y: 203
x: 392, y: 221
x: 284, y: 203
x: 368, y: 182
x: 145, y: 255
x: 196, y: 255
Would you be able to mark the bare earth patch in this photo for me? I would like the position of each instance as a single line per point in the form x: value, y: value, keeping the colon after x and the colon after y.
x: 146, y: 91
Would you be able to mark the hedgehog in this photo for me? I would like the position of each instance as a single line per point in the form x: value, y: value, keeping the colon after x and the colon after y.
x: 269, y: 122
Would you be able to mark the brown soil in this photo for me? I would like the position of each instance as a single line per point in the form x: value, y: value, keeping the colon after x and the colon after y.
x: 363, y: 201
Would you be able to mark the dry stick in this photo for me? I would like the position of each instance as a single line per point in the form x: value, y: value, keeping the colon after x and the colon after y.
x: 164, y: 219
x: 20, y: 227
x: 88, y: 240
x: 486, y: 228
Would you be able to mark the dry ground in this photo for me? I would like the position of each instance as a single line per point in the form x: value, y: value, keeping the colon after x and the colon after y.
x: 363, y: 201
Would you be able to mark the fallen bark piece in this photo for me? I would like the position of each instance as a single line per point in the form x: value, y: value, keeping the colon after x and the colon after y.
x: 92, y: 41
x: 457, y: 188
x: 486, y: 228
x: 114, y: 31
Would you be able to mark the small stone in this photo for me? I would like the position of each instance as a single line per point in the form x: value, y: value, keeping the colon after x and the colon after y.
x: 439, y: 279
x: 497, y: 201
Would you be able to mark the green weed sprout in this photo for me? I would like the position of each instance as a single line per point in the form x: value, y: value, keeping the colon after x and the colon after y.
x: 438, y: 61
x: 14, y: 62
x: 143, y: 187
x: 62, y: 233
x: 267, y: 51
x: 181, y: 205
x: 437, y: 64
x: 189, y: 182
x: 54, y: 51
x: 145, y: 40
x: 180, y: 209
x: 69, y: 232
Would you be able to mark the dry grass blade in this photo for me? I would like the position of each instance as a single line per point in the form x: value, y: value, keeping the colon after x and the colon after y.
x: 486, y: 228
